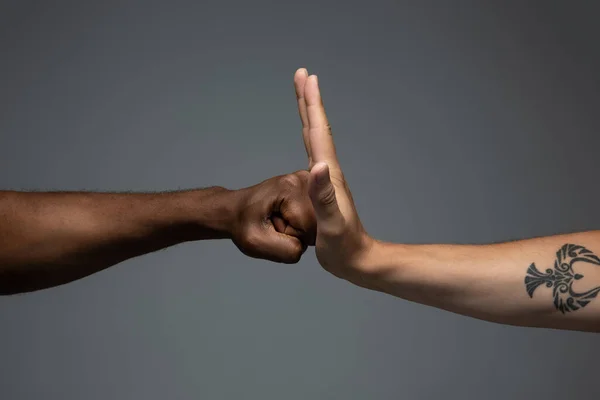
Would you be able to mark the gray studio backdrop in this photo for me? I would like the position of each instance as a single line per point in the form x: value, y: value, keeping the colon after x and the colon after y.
x: 456, y: 122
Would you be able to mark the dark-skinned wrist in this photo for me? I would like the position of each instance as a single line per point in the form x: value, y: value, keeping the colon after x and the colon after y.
x: 209, y: 213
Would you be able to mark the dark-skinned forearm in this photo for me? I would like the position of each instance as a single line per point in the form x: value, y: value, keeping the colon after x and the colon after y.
x: 47, y: 239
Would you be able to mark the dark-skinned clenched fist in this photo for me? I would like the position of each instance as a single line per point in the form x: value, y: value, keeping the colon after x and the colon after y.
x: 274, y: 220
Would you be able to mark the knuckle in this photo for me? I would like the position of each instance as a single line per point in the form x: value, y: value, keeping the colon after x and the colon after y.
x: 327, y: 196
x: 302, y: 175
x: 291, y: 181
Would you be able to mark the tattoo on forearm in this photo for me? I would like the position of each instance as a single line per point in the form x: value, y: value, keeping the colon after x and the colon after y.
x: 561, y: 278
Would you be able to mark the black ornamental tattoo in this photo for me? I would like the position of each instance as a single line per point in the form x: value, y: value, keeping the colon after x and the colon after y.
x: 561, y: 278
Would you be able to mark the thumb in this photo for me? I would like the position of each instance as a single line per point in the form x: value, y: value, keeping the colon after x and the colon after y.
x: 322, y: 195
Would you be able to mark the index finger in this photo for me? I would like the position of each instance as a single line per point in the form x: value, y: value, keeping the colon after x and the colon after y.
x: 321, y: 140
x: 299, y: 82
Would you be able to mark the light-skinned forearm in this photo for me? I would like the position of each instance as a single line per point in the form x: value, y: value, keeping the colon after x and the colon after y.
x: 489, y: 281
x: 47, y: 239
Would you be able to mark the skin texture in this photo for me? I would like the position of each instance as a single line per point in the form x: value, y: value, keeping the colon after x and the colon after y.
x: 550, y: 282
x: 48, y: 239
